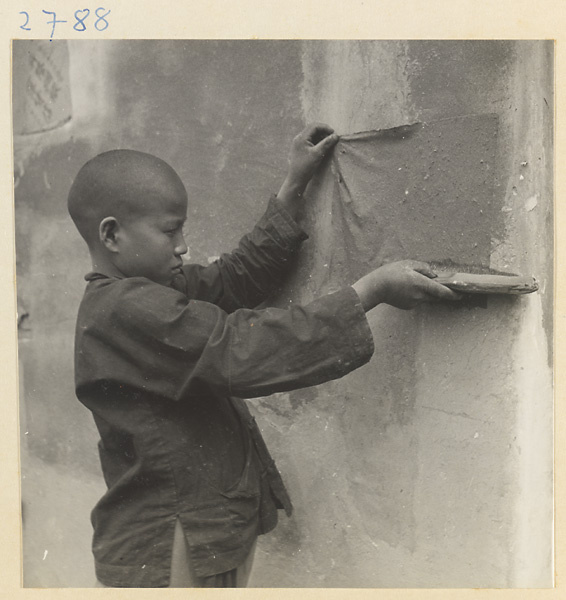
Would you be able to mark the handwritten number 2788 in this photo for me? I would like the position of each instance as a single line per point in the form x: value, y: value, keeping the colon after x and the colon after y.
x: 81, y: 15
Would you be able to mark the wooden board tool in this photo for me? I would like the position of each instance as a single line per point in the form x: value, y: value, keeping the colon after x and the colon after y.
x: 482, y: 283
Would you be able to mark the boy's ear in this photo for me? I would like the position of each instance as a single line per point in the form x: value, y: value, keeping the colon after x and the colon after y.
x: 107, y: 231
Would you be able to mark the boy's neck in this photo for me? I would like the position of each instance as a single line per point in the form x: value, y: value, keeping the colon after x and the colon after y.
x: 102, y: 265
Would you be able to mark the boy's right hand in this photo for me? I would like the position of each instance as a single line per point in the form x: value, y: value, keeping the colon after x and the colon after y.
x: 403, y: 284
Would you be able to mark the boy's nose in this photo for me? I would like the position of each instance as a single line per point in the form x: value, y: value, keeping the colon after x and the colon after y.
x: 181, y: 248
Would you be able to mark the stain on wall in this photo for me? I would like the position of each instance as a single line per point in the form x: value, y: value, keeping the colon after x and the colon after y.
x: 416, y: 469
x: 41, y: 91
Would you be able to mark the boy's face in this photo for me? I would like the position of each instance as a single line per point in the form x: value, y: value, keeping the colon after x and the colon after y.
x: 151, y: 242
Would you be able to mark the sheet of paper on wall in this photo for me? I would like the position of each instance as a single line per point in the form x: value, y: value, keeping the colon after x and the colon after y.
x: 427, y: 191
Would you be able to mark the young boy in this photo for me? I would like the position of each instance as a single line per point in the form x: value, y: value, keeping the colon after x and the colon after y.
x: 162, y: 348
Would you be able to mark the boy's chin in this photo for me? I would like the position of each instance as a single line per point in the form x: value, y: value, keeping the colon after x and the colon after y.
x: 170, y: 279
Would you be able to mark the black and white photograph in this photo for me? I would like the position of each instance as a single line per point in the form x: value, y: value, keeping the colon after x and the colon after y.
x: 285, y: 312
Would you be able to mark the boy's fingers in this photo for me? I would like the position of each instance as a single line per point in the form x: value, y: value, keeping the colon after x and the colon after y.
x: 423, y: 268
x: 327, y: 143
x: 441, y: 292
x: 319, y: 127
x: 317, y: 131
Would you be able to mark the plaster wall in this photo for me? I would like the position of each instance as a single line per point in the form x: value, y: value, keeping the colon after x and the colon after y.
x: 430, y: 466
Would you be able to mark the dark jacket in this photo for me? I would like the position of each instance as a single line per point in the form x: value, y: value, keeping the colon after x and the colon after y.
x: 159, y: 368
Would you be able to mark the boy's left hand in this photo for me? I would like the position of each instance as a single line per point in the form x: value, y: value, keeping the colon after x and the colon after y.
x: 307, y: 152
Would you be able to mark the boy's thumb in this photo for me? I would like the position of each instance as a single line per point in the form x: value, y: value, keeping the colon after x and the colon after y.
x: 327, y: 143
x: 423, y: 268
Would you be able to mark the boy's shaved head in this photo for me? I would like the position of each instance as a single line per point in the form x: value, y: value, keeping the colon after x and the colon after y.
x: 122, y: 184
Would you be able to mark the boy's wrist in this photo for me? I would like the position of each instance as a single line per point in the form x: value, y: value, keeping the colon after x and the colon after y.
x: 366, y: 293
x: 290, y: 195
x: 369, y: 291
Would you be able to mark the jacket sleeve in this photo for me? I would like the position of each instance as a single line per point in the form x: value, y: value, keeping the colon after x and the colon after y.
x: 149, y: 336
x: 246, y: 276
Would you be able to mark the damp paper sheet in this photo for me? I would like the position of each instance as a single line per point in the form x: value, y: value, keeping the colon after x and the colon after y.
x: 426, y: 191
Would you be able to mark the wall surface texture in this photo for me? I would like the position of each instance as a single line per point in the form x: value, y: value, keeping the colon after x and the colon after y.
x: 432, y: 465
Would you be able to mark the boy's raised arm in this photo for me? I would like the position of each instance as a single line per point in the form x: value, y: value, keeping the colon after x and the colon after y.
x: 247, y: 275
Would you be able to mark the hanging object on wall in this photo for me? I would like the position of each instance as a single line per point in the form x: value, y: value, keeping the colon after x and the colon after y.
x: 426, y: 191
x: 41, y: 94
